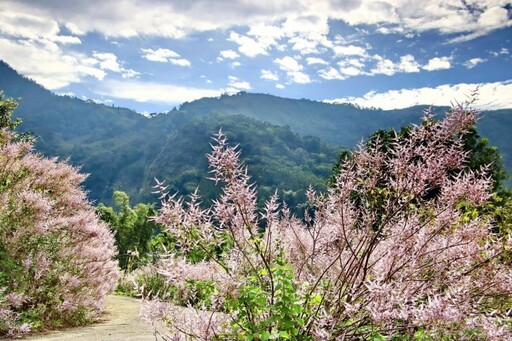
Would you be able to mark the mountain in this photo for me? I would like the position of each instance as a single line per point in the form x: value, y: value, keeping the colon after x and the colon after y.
x: 337, y: 124
x: 124, y: 150
x: 342, y: 124
x: 286, y: 143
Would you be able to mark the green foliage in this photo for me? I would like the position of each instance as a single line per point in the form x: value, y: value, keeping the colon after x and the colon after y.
x: 481, y: 155
x: 7, y: 107
x: 133, y: 229
x: 56, y: 257
x: 278, y: 159
x: 277, y: 299
x: 145, y: 281
x: 122, y: 149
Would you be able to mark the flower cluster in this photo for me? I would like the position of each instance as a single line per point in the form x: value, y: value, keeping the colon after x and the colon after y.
x: 57, y: 257
x: 392, y: 249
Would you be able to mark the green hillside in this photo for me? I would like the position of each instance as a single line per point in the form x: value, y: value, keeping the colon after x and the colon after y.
x: 341, y: 124
x: 124, y: 150
x: 286, y: 143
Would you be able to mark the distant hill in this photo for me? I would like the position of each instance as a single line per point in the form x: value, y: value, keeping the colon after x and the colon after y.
x: 342, y: 124
x: 286, y: 143
x: 124, y: 150
x: 337, y: 124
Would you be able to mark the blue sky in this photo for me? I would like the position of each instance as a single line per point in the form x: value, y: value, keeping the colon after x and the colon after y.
x: 151, y: 55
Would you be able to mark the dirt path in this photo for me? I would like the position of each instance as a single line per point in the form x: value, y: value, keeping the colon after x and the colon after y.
x: 121, y: 322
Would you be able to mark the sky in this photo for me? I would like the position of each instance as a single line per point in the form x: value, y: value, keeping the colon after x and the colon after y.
x: 152, y: 55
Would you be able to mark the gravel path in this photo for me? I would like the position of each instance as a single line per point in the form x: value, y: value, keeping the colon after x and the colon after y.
x: 120, y: 322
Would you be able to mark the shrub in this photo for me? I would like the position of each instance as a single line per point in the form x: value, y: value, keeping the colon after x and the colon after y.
x: 396, y: 247
x: 145, y: 281
x: 56, y: 257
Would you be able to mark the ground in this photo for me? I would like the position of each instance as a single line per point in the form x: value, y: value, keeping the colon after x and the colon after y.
x: 121, y: 322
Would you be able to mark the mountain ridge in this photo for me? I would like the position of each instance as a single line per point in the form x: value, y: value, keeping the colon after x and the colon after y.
x: 125, y: 150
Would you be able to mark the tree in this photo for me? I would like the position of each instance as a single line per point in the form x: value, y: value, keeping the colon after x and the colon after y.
x: 406, y: 259
x: 132, y: 226
x: 56, y: 257
x: 7, y: 107
x: 480, y: 155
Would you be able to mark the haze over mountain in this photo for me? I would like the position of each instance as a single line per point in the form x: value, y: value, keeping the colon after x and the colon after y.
x: 286, y: 143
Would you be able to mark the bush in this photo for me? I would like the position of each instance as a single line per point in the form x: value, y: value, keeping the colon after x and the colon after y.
x: 56, y: 257
x: 145, y: 281
x: 396, y: 249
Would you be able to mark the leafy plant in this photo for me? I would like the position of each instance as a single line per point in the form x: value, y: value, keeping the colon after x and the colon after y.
x: 56, y: 257
x: 392, y: 249
x: 133, y: 229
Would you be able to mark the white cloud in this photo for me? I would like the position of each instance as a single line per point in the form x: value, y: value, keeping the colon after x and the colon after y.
x: 74, y: 29
x: 248, y: 46
x: 288, y: 64
x: 235, y: 85
x: 32, y: 27
x: 66, y: 39
x: 490, y: 96
x: 330, y: 73
x: 358, y: 63
x: 108, y: 61
x: 164, y: 56
x: 307, y: 24
x: 130, y: 74
x: 153, y: 92
x: 471, y: 18
x: 437, y: 63
x: 176, y: 19
x: 471, y: 63
x: 304, y: 45
x: 349, y: 50
x: 47, y: 65
x: 69, y: 94
x: 293, y: 70
x: 503, y: 50
x: 303, y: 33
x: 384, y: 66
x: 266, y: 74
x: 351, y: 71
x: 299, y: 77
x: 279, y: 86
x: 267, y: 35
x: 228, y: 54
x: 408, y: 64
x: 160, y: 55
x: 180, y: 62
x: 496, y: 16
x: 316, y: 61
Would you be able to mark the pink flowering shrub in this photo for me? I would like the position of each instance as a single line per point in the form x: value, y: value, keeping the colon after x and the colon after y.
x: 393, y: 249
x: 56, y: 257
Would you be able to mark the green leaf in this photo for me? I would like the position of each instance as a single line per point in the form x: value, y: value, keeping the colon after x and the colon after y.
x: 284, y: 335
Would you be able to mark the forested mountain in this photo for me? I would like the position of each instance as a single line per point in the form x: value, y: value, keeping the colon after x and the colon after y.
x: 286, y: 143
x: 342, y: 124
x: 124, y: 150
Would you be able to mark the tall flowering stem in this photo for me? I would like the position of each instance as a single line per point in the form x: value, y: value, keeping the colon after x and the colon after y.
x: 395, y: 247
x: 57, y: 258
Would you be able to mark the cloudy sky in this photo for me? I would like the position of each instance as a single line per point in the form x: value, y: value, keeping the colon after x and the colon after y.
x: 150, y: 55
